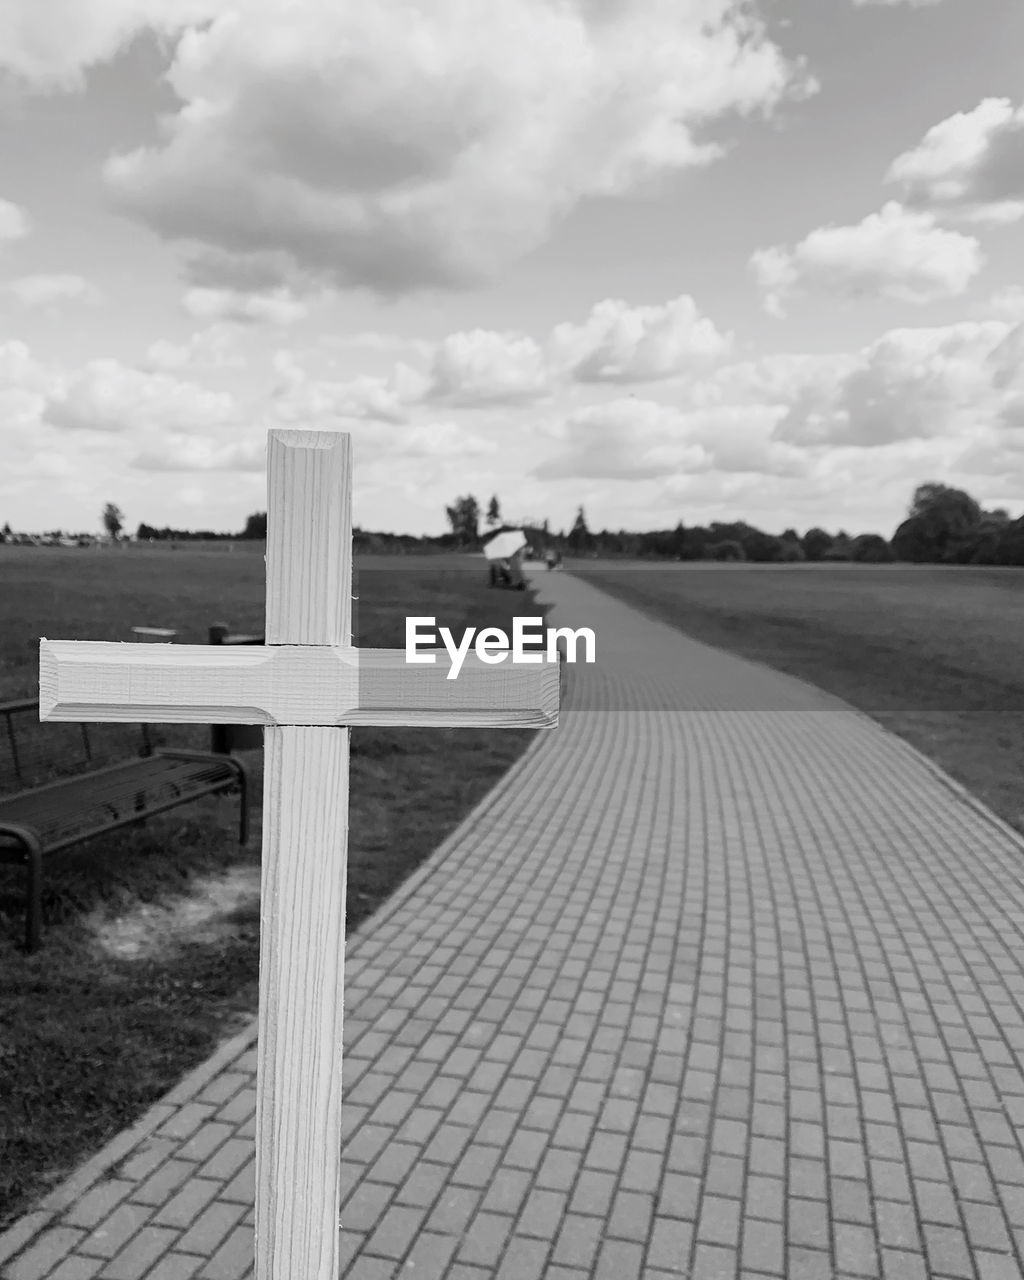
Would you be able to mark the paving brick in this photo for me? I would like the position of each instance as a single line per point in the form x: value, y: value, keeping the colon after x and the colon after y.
x: 365, y: 1206
x: 139, y: 1256
x: 110, y: 1236
x: 227, y: 1160
x: 212, y: 1226
x: 619, y: 1260
x: 77, y: 1267
x: 97, y: 1202
x: 719, y: 1221
x: 454, y: 1209
x: 395, y: 1232
x: 947, y: 1252
x: 763, y: 1245
x: 430, y: 1256
x: 577, y: 1241
x: 233, y: 1260
x: 44, y: 1254
x: 186, y: 1121
x: 242, y: 1186
x: 146, y: 1157
x: 158, y: 1188
x: 856, y: 1249
x: 484, y: 1241
x: 669, y: 1245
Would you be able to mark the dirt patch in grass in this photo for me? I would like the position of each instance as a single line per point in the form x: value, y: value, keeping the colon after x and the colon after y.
x: 154, y: 930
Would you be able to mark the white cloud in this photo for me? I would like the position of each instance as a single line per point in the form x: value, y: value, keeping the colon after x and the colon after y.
x: 276, y: 306
x: 215, y: 347
x: 406, y: 143
x: 49, y: 45
x: 439, y: 440
x: 971, y: 163
x: 14, y: 221
x: 908, y: 401
x: 44, y: 290
x: 176, y: 451
x: 619, y: 343
x: 108, y: 396
x: 616, y: 343
x: 300, y: 398
x: 911, y: 384
x: 1004, y: 304
x: 626, y: 439
x: 896, y: 253
x: 19, y: 368
x: 633, y: 439
x: 372, y: 340
x: 482, y: 367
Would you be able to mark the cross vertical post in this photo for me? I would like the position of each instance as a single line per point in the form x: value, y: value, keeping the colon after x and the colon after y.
x: 305, y: 857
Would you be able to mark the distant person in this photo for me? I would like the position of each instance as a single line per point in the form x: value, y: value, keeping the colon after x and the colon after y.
x: 550, y: 559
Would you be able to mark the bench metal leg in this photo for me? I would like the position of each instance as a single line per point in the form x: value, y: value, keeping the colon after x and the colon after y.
x: 243, y: 806
x: 242, y: 774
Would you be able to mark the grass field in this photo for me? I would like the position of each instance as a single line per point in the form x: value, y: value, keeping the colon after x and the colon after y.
x: 151, y: 934
x: 935, y: 654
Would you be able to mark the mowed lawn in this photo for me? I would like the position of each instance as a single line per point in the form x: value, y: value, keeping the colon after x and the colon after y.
x: 150, y: 952
x: 934, y: 654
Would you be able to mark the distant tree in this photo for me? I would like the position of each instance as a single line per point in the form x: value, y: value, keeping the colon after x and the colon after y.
x: 988, y: 536
x: 5, y: 533
x: 841, y: 547
x: 941, y: 527
x: 727, y: 549
x: 792, y: 551
x: 696, y: 542
x: 493, y: 512
x: 256, y: 526
x: 762, y: 548
x: 146, y: 533
x: 580, y: 538
x: 113, y: 520
x: 464, y: 517
x: 679, y: 541
x: 1010, y: 549
x: 870, y: 548
x: 815, y: 543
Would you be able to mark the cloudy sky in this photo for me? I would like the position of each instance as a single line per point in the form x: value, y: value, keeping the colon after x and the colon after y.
x: 670, y: 259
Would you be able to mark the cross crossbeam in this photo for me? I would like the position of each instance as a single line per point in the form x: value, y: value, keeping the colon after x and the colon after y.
x: 85, y: 680
x: 307, y: 686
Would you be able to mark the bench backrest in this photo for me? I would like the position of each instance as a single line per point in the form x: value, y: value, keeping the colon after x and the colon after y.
x: 32, y: 753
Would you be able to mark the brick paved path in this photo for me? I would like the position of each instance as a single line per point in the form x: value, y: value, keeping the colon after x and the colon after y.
x: 720, y: 981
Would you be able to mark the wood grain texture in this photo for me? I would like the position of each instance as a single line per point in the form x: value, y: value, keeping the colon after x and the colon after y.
x: 286, y: 685
x: 298, y: 1069
x: 305, y: 855
x: 309, y: 538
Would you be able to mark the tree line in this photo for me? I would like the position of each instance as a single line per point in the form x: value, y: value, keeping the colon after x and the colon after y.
x: 944, y: 525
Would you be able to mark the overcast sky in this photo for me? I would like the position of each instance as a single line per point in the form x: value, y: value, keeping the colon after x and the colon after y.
x: 670, y: 259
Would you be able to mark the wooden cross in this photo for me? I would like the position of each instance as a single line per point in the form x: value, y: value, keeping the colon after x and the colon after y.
x: 307, y: 685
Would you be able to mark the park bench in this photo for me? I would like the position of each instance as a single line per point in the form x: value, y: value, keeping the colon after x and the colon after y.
x: 59, y: 787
